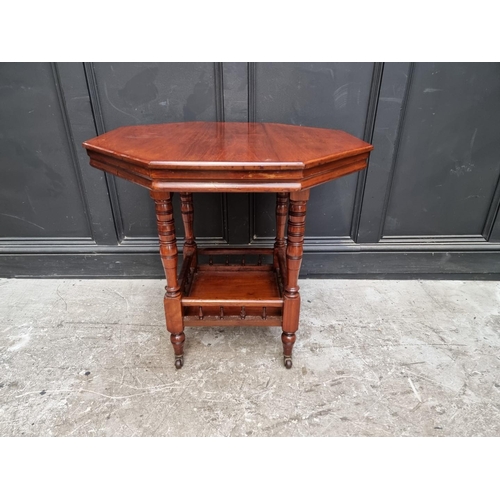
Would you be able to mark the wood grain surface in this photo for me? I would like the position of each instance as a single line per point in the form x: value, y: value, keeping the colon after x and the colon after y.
x: 227, y: 157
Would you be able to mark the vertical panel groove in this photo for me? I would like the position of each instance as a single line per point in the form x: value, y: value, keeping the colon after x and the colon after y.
x: 252, y: 117
x: 371, y: 115
x: 95, y: 103
x: 397, y: 143
x: 71, y: 144
x: 96, y: 107
x: 219, y: 91
x: 252, y: 89
x: 220, y: 117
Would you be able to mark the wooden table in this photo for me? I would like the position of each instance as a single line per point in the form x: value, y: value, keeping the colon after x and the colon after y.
x: 229, y: 157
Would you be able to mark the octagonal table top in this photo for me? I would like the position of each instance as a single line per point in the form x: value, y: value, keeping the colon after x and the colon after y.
x: 227, y: 156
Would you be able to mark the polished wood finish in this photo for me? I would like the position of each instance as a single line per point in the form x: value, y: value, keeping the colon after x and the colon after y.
x: 168, y: 252
x: 281, y: 213
x: 187, y: 210
x: 294, y: 252
x: 225, y: 157
x: 257, y: 284
x: 230, y: 292
x: 212, y: 156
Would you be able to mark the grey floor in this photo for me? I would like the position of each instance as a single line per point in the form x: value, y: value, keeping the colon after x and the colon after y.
x: 373, y: 358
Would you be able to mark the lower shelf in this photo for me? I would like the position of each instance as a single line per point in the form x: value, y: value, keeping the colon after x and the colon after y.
x: 226, y: 295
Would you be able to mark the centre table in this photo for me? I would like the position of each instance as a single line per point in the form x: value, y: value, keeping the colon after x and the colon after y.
x: 229, y: 157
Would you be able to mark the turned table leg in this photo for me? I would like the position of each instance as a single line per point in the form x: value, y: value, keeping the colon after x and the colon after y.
x: 281, y: 213
x: 168, y: 252
x: 187, y: 211
x: 294, y: 251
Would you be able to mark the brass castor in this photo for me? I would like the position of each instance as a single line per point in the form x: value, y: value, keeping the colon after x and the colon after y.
x: 179, y: 362
x: 288, y: 362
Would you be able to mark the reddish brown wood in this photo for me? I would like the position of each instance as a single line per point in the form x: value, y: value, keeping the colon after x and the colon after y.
x: 294, y: 252
x: 225, y: 303
x: 226, y: 157
x: 187, y: 211
x: 281, y: 213
x: 211, y: 156
x: 233, y: 320
x: 253, y: 146
x: 253, y: 285
x: 168, y: 252
x: 185, y: 276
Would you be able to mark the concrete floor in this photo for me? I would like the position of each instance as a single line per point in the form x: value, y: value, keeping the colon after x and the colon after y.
x: 373, y: 358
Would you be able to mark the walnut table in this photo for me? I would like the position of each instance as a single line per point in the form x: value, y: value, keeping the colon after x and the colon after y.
x: 229, y: 157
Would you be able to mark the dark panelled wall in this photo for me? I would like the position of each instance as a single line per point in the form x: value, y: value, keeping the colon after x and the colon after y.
x: 426, y: 206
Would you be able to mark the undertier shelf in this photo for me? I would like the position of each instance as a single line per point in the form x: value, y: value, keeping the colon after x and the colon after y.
x: 233, y: 295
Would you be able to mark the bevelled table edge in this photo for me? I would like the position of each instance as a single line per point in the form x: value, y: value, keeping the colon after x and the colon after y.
x: 219, y: 178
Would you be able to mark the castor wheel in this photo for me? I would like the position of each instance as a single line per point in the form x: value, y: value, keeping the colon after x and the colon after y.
x: 179, y: 362
x: 288, y: 363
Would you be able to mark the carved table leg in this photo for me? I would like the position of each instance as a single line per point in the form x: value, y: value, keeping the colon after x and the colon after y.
x: 168, y: 252
x: 294, y: 251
